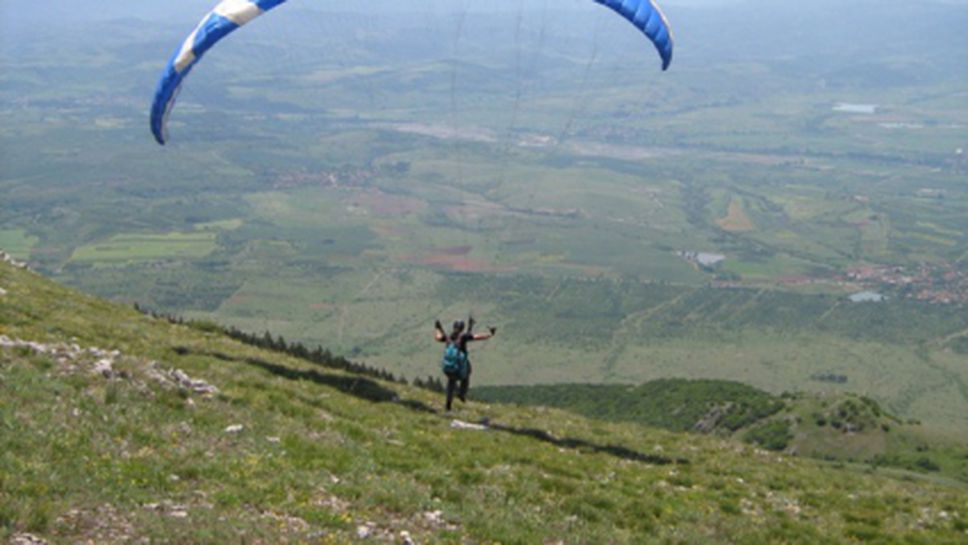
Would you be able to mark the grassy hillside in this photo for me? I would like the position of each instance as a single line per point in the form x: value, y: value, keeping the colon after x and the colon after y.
x: 110, y: 437
x: 838, y: 426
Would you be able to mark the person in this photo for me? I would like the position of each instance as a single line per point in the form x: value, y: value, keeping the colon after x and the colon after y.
x: 457, y: 363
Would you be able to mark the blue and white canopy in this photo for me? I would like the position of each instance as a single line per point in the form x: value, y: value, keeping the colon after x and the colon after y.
x: 227, y: 16
x: 647, y: 17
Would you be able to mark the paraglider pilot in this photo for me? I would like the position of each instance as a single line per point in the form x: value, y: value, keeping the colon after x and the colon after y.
x: 455, y: 363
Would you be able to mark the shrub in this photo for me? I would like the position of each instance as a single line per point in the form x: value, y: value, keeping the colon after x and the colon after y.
x: 775, y: 435
x: 927, y: 464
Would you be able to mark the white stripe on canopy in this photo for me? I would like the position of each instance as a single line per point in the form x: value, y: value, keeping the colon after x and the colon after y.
x: 239, y: 12
x: 186, y: 56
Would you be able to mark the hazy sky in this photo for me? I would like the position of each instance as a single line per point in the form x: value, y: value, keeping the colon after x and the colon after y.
x: 20, y: 13
x: 14, y: 11
x: 826, y: 27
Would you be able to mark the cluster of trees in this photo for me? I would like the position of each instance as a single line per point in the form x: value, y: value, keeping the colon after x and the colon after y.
x: 675, y: 404
x: 855, y: 414
x: 775, y: 435
x: 829, y: 377
x: 318, y: 355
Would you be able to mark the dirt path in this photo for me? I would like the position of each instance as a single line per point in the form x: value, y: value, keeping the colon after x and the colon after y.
x: 941, y: 341
x: 631, y: 322
x: 828, y: 312
x: 343, y: 308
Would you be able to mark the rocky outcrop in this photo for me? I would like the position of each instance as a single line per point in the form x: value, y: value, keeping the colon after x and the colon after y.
x: 7, y: 258
x: 109, y: 364
x: 180, y: 379
x: 710, y: 422
x: 26, y: 539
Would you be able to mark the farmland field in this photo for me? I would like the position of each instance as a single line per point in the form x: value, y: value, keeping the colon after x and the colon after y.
x: 128, y: 248
x: 17, y: 243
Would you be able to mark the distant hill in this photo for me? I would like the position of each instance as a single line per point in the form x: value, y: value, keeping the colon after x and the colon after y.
x: 118, y: 428
x: 673, y: 404
x: 843, y: 426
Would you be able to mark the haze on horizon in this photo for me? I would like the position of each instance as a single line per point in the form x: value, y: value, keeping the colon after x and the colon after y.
x: 55, y: 11
x: 706, y: 31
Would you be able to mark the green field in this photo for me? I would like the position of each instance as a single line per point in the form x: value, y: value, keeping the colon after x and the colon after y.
x: 17, y: 243
x: 132, y: 248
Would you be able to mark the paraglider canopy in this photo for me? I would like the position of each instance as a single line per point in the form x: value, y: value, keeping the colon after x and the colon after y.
x: 647, y: 17
x: 230, y: 15
x: 227, y: 16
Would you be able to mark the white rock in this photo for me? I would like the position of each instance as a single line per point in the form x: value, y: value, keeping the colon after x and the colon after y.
x: 2, y: 292
x: 26, y: 539
x: 461, y: 425
x: 405, y: 538
x: 181, y: 379
x: 104, y: 367
x: 363, y: 532
x: 434, y: 517
x: 7, y: 258
x: 202, y: 387
x: 235, y: 428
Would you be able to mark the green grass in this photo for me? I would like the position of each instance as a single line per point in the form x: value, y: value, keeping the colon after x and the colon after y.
x: 322, y: 452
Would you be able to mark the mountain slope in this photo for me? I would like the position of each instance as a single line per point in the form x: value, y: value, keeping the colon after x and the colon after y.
x: 109, y: 435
